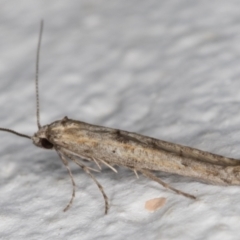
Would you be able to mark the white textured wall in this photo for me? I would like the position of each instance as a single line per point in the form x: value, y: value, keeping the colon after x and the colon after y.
x: 168, y: 69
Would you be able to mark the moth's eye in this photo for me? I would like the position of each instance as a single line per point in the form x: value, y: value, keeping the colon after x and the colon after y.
x: 46, y: 144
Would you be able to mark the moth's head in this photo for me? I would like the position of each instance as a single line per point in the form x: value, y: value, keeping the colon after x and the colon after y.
x: 40, y: 138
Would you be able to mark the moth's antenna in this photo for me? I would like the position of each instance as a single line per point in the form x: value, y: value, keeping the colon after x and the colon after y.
x: 14, y: 132
x: 36, y: 77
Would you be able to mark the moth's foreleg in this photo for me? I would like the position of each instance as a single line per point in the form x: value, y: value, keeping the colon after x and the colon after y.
x: 156, y: 179
x: 65, y: 162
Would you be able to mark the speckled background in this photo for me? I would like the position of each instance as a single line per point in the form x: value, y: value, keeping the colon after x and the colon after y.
x: 167, y: 69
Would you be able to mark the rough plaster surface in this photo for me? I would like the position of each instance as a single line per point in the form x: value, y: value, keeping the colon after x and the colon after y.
x: 167, y: 69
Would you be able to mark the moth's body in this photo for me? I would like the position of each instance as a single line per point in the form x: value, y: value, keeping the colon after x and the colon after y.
x: 117, y: 147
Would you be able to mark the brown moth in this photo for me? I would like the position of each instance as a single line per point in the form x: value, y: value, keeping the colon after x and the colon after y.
x: 75, y: 140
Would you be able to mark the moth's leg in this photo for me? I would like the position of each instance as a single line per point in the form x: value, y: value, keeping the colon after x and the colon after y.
x: 78, y: 161
x: 134, y: 170
x: 97, y: 163
x: 79, y: 158
x: 86, y: 169
x: 156, y: 179
x: 108, y: 165
x: 65, y: 162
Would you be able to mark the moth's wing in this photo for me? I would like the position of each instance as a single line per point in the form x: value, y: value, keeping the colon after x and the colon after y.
x: 73, y: 131
x: 183, y: 150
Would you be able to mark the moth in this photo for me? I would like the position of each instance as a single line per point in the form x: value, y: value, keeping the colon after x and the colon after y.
x: 75, y: 140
